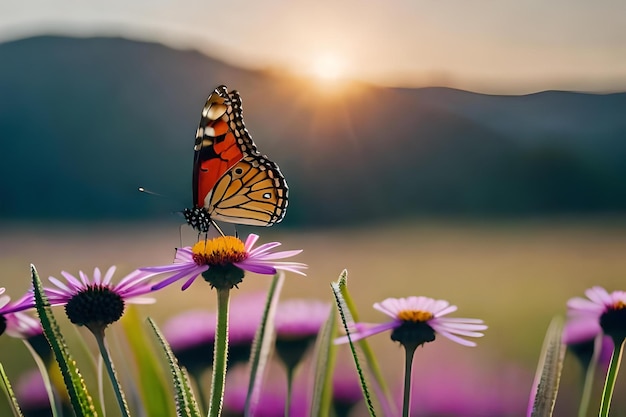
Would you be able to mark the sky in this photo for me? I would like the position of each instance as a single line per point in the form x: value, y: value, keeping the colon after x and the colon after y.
x: 493, y: 46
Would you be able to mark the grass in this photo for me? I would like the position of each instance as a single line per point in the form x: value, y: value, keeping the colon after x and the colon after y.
x: 515, y: 276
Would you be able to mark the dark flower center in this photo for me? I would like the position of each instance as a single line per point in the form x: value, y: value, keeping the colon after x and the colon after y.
x: 413, y: 333
x: 223, y: 276
x: 613, y: 321
x: 195, y: 358
x: 97, y: 305
x: 3, y: 324
x: 291, y: 349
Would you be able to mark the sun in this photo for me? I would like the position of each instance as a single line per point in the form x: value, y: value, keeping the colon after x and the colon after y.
x: 328, y: 68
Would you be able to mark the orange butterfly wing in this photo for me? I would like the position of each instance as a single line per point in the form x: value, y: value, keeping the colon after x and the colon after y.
x: 216, y: 148
x: 232, y: 181
x: 253, y: 192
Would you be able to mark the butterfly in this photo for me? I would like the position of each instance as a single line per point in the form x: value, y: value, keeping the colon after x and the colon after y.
x: 232, y: 181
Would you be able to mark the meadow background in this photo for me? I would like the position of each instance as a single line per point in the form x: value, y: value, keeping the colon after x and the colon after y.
x: 486, y: 168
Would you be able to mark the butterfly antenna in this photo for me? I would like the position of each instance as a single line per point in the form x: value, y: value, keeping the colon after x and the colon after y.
x: 145, y: 190
x: 180, y: 234
x: 217, y: 228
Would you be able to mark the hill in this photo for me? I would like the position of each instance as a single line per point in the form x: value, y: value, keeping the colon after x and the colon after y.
x: 84, y: 122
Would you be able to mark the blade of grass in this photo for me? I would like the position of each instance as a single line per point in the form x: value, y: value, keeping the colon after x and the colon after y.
x: 548, y: 375
x: 152, y: 384
x: 6, y: 387
x: 186, y: 404
x: 346, y: 320
x: 80, y: 399
x: 381, y: 389
x: 325, y: 355
x: 263, y: 342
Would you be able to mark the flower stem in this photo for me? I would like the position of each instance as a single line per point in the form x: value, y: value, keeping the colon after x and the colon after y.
x: 290, y: 372
x: 589, y: 376
x: 98, y: 333
x: 196, y: 375
x: 611, y: 377
x: 220, y: 353
x: 408, y: 365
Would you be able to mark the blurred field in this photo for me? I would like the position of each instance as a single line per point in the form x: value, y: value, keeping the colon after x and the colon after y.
x: 515, y: 276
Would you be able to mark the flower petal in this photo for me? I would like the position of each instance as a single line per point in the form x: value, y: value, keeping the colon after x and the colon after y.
x: 363, y: 333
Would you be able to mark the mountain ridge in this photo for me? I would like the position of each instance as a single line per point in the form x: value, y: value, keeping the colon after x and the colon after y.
x: 84, y: 121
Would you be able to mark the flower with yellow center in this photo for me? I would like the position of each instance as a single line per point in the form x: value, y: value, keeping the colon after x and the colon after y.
x: 416, y: 320
x: 222, y: 262
x: 219, y: 251
x: 415, y: 316
x: 601, y: 312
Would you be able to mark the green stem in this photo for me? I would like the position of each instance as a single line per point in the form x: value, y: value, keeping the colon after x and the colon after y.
x: 611, y: 377
x: 220, y: 353
x: 196, y: 375
x: 290, y: 373
x: 98, y: 332
x: 590, y: 375
x: 408, y: 365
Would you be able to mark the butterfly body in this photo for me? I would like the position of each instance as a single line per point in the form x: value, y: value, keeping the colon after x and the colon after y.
x: 232, y: 181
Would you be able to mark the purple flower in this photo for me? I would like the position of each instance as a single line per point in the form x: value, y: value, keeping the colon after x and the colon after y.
x: 98, y: 302
x: 24, y: 303
x: 417, y: 320
x: 190, y: 329
x: 13, y: 320
x: 300, y: 318
x: 245, y: 314
x: 191, y: 334
x: 297, y: 324
x: 600, y: 311
x: 272, y: 394
x: 31, y: 393
x: 579, y: 336
x: 473, y: 387
x: 222, y: 262
x: 347, y: 390
x: 32, y: 396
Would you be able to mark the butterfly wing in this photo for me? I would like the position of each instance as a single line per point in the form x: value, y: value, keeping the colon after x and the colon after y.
x: 232, y: 181
x: 216, y: 148
x: 253, y: 192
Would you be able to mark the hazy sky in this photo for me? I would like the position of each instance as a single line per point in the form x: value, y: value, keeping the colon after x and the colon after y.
x: 491, y: 45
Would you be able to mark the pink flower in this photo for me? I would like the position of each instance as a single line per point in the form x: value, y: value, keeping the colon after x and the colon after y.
x: 222, y: 262
x: 418, y: 319
x: 600, y: 311
x: 13, y: 320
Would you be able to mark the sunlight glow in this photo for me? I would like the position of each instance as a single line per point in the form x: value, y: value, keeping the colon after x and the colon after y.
x: 328, y: 68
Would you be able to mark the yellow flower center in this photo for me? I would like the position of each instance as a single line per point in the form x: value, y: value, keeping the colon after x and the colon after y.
x: 221, y: 250
x: 415, y: 316
x: 619, y: 305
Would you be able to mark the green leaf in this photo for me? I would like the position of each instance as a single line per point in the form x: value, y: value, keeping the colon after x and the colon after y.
x: 186, y: 405
x: 263, y: 343
x: 383, y: 394
x: 6, y: 385
x: 80, y: 399
x: 152, y: 383
x: 325, y: 355
x: 548, y: 375
x: 339, y: 288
